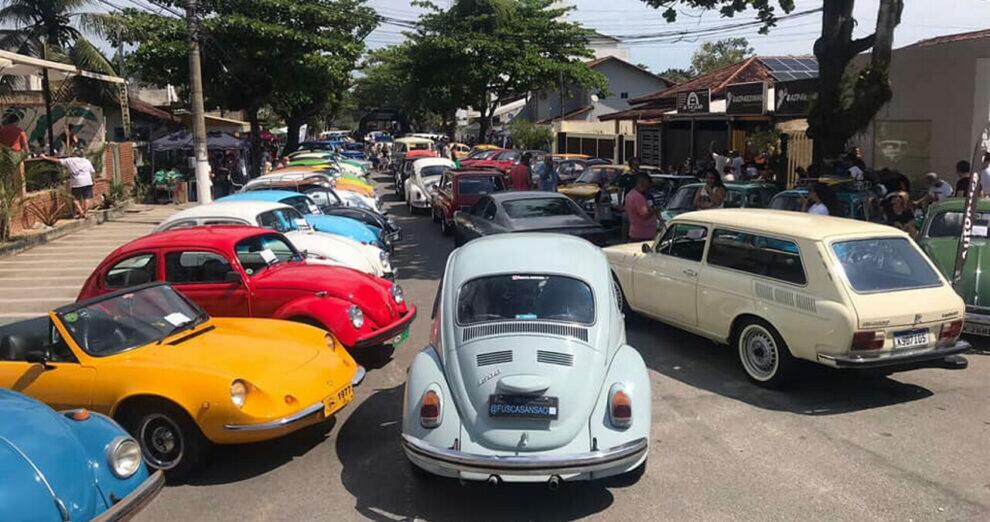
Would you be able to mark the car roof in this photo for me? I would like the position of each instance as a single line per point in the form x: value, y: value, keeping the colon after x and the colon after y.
x: 411, y: 139
x: 421, y: 153
x: 429, y: 162
x: 261, y: 195
x: 475, y: 172
x: 500, y: 197
x: 738, y: 185
x: 223, y: 236
x: 957, y: 204
x: 247, y: 210
x: 545, y: 253
x: 787, y: 223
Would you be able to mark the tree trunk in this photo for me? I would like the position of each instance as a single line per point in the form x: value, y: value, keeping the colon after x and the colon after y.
x: 293, y: 124
x: 254, y: 167
x: 831, y: 123
x: 485, y: 123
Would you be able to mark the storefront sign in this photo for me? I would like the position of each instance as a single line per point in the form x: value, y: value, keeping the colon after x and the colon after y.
x: 692, y: 102
x: 795, y: 97
x: 746, y: 98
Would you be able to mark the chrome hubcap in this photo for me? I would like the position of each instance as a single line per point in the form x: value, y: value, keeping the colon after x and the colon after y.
x: 161, y: 440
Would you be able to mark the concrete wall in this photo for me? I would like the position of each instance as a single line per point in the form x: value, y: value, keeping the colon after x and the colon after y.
x: 947, y: 85
x: 623, y: 79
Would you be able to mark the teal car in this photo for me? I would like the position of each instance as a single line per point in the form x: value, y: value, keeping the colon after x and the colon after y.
x: 855, y: 204
x: 940, y: 240
x: 742, y: 194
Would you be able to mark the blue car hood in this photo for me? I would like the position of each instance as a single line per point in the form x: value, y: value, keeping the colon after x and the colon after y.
x: 32, y: 436
x: 343, y: 226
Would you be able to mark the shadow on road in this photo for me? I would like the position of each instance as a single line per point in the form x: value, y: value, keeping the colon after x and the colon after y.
x: 819, y: 390
x: 423, y: 251
x: 377, y: 473
x: 226, y: 464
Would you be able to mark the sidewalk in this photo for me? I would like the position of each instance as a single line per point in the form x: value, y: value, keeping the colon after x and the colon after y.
x: 45, y: 277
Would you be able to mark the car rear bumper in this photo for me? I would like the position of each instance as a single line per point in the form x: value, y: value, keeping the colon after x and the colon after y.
x: 893, y: 358
x: 130, y: 505
x: 388, y: 332
x: 619, y: 457
x: 977, y: 324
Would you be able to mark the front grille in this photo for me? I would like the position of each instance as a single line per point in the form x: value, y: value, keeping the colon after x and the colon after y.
x: 487, y: 359
x: 560, y: 359
x: 560, y: 330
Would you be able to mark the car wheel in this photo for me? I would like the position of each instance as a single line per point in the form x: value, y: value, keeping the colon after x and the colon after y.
x: 763, y: 353
x: 170, y: 440
x: 620, y: 295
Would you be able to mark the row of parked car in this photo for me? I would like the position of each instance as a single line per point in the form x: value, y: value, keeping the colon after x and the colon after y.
x: 236, y: 321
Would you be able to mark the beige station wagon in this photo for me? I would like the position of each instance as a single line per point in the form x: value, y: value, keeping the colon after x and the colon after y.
x: 779, y: 286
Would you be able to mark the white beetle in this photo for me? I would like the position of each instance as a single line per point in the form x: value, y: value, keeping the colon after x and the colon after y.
x: 320, y: 247
x: 529, y: 377
x: 426, y: 175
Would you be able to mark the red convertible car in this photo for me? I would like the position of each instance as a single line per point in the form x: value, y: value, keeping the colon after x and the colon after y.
x: 460, y: 190
x: 241, y: 271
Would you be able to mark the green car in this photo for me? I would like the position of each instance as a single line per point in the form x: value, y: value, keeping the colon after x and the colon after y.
x: 940, y: 240
x: 738, y: 194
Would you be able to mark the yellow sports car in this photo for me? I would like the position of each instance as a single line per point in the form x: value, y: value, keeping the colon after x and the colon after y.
x: 354, y: 185
x: 175, y: 378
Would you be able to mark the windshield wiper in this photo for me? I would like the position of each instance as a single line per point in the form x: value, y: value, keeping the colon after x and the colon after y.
x: 188, y: 325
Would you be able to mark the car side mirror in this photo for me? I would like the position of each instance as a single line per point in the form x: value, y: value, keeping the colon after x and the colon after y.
x: 647, y: 249
x: 232, y: 277
x: 38, y: 357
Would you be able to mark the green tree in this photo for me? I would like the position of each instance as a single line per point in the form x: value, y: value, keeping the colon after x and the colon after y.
x: 494, y: 50
x: 712, y: 56
x: 837, y: 116
x: 295, y: 57
x: 44, y: 28
x: 528, y: 135
x: 677, y: 75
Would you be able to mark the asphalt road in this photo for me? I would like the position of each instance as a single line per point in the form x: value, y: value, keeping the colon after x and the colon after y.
x: 913, y: 446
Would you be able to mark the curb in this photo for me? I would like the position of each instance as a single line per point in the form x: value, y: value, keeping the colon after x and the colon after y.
x: 96, y: 218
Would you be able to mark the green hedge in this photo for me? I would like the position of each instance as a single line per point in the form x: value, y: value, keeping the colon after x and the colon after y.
x: 42, y: 175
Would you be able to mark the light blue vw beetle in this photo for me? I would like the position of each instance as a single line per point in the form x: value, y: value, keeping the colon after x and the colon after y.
x: 72, y: 465
x: 528, y: 377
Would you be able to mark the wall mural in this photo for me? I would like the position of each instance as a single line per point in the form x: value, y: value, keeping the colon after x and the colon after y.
x: 86, y: 123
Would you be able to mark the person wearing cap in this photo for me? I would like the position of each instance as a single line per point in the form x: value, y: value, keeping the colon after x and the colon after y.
x: 937, y: 191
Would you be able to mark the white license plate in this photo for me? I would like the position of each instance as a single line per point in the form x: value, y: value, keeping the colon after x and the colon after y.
x: 911, y: 339
x: 976, y: 329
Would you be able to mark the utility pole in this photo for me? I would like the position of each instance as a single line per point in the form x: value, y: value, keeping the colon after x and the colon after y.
x: 198, y: 111
x: 46, y: 89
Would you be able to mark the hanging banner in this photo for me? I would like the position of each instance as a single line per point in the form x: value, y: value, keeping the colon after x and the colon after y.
x: 746, y: 98
x: 691, y: 102
x: 794, y: 98
x: 967, y: 230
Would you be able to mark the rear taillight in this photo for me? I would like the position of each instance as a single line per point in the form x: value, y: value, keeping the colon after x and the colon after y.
x: 950, y: 332
x: 620, y: 407
x: 867, y: 341
x: 430, y: 409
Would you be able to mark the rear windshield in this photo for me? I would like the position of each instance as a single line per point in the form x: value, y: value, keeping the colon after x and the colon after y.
x: 949, y: 224
x: 884, y: 265
x: 475, y: 186
x: 432, y: 171
x: 787, y: 202
x: 543, y: 207
x: 525, y: 297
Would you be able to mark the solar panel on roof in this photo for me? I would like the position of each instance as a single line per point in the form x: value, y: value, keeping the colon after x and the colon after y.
x: 788, y: 68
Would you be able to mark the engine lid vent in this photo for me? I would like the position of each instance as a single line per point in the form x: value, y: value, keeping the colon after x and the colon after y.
x: 487, y: 359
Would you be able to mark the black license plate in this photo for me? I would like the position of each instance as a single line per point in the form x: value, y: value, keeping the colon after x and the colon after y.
x: 522, y: 407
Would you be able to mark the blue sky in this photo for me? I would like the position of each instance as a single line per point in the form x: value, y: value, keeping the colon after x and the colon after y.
x: 922, y: 19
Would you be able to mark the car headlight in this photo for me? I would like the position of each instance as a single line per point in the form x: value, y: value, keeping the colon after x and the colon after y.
x: 397, y: 295
x: 124, y: 457
x: 356, y: 316
x: 238, y: 392
x: 383, y: 257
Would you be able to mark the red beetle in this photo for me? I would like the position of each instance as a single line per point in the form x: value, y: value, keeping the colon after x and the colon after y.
x: 486, y: 159
x: 240, y: 271
x: 460, y: 190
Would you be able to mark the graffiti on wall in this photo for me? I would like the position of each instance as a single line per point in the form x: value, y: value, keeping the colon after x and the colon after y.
x: 86, y: 124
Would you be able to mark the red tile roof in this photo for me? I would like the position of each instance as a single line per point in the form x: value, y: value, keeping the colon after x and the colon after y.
x: 949, y: 38
x: 749, y: 70
x: 644, y: 113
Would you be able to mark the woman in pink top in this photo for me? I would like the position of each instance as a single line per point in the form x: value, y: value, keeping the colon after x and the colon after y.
x: 642, y: 217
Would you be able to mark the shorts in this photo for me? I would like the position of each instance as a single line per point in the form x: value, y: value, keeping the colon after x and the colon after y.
x: 83, y: 192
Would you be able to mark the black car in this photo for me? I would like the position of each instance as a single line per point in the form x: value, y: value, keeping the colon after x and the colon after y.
x: 507, y: 212
x: 569, y: 170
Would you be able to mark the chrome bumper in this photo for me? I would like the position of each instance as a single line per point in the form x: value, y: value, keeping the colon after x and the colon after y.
x: 977, y: 324
x: 893, y: 358
x: 130, y: 505
x: 280, y: 423
x: 620, y: 456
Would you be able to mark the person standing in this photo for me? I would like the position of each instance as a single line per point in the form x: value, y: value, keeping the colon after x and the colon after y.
x: 80, y: 181
x: 900, y: 216
x: 548, y: 175
x: 937, y: 191
x: 737, y: 164
x: 520, y: 177
x: 640, y: 213
x: 821, y: 201
x: 965, y: 174
x: 712, y: 194
x: 985, y: 176
x: 12, y: 136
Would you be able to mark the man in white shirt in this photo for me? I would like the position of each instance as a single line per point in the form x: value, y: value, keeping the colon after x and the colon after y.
x: 80, y: 180
x: 937, y: 191
x: 985, y: 176
x: 737, y: 165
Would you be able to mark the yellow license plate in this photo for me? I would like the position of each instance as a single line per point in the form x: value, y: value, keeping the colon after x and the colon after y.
x: 337, y: 401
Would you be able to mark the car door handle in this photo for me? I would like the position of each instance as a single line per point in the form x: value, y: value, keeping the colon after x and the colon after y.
x: 690, y: 273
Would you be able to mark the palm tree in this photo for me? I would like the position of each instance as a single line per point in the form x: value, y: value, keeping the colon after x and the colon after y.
x: 44, y: 28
